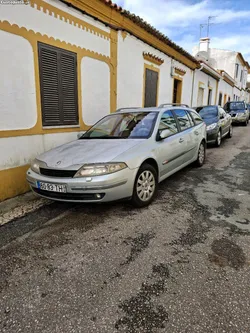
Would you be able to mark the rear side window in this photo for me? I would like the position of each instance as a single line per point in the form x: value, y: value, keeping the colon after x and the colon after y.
x: 183, y: 119
x: 168, y: 122
x: 197, y: 119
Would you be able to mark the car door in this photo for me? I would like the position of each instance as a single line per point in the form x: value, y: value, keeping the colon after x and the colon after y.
x: 169, y: 151
x: 188, y: 136
x: 224, y: 121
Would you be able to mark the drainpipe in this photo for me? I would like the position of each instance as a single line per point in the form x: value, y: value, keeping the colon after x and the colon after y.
x: 192, y: 93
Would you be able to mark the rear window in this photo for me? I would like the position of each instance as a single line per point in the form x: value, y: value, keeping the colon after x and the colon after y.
x: 207, y: 112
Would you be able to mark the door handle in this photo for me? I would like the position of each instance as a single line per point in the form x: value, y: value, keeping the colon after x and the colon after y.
x: 181, y: 140
x: 196, y: 132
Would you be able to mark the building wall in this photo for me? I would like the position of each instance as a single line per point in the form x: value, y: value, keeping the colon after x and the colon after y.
x: 130, y: 89
x: 203, y: 80
x: 22, y: 135
x: 223, y: 59
x: 226, y: 90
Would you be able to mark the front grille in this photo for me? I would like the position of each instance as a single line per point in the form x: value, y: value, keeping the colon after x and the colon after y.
x: 68, y: 196
x: 58, y: 173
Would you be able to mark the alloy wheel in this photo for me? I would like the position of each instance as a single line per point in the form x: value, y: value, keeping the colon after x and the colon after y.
x: 145, y: 186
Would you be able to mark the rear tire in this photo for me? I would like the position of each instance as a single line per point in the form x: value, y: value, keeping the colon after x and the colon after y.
x: 218, y: 139
x: 145, y: 186
x: 201, y: 155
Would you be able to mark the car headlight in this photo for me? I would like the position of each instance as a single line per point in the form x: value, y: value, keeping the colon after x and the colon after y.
x: 211, y: 127
x: 242, y: 114
x: 90, y: 170
x: 35, y: 166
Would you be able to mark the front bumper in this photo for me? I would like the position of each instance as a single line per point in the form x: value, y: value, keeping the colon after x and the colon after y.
x: 112, y: 187
x: 238, y: 120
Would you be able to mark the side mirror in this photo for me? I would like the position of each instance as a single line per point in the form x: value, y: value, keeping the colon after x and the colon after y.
x: 165, y: 134
x: 79, y: 135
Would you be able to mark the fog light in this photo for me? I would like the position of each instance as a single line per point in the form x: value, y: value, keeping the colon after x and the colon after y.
x: 98, y: 196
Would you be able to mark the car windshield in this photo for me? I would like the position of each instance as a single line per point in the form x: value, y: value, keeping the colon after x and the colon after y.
x: 129, y: 125
x: 207, y: 112
x: 236, y: 106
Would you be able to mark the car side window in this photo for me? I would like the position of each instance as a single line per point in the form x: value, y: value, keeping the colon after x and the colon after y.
x: 191, y: 119
x: 183, y: 119
x: 168, y: 122
x: 197, y: 119
x: 222, y: 112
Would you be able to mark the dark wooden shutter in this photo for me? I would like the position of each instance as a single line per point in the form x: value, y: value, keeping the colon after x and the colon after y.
x: 58, y: 81
x: 151, y: 84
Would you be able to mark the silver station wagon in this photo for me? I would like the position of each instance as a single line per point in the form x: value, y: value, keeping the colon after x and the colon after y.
x: 123, y: 156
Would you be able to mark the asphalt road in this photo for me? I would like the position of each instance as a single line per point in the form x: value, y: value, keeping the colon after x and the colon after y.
x: 178, y: 266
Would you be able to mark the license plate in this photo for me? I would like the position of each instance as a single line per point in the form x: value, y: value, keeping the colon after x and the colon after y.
x: 51, y: 187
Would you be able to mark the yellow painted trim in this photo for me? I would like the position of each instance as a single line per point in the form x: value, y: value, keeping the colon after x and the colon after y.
x: 66, y: 17
x: 216, y: 92
x: 33, y: 39
x: 225, y: 99
x: 153, y: 59
x: 200, y: 85
x: 13, y: 182
x: 179, y: 71
x: 179, y: 93
x: 227, y: 80
x: 113, y: 70
x: 124, y: 35
x: 105, y: 13
x: 152, y: 68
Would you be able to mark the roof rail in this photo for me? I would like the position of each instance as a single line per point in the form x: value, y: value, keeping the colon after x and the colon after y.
x: 173, y: 104
x: 129, y: 108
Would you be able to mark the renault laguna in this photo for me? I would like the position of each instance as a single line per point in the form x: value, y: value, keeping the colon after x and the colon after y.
x: 125, y: 155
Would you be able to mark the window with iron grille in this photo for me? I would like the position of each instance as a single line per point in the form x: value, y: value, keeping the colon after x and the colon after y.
x: 58, y: 83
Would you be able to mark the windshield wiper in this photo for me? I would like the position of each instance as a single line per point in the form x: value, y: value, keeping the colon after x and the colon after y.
x: 104, y: 137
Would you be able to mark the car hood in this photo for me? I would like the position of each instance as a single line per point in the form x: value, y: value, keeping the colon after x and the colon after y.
x: 209, y: 121
x: 237, y: 111
x: 87, y: 151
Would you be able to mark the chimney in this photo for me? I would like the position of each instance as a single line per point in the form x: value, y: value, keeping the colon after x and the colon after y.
x: 204, y: 44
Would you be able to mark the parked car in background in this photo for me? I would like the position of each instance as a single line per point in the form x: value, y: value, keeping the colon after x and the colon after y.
x: 219, y: 123
x: 124, y: 155
x: 238, y: 111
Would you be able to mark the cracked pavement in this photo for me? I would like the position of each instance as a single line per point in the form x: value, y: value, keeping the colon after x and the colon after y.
x: 179, y: 266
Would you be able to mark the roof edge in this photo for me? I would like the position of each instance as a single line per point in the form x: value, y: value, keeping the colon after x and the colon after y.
x: 116, y: 17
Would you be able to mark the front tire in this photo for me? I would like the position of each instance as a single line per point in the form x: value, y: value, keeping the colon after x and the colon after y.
x: 246, y: 123
x: 201, y: 155
x: 218, y: 139
x: 230, y: 133
x: 145, y: 186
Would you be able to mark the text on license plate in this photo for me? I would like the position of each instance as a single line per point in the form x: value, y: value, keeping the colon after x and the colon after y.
x: 51, y: 187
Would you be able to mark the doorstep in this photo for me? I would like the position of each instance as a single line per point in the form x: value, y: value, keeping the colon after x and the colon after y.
x: 19, y: 206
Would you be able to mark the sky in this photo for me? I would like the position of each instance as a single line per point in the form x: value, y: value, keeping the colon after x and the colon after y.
x: 180, y: 20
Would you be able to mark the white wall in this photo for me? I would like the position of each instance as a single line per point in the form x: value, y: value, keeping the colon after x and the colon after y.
x: 17, y: 85
x: 207, y: 80
x: 224, y: 88
x: 18, y: 151
x: 130, y: 87
x: 95, y: 90
x: 223, y: 60
x: 49, y: 25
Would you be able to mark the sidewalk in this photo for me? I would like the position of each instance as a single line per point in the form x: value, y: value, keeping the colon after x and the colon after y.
x: 19, y: 206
